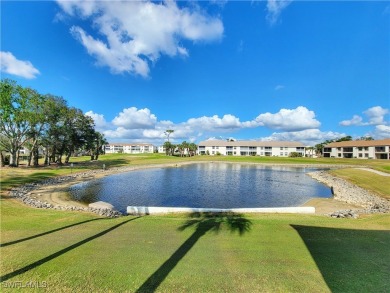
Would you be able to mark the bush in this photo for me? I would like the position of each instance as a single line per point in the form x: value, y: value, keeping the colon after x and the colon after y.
x: 295, y: 155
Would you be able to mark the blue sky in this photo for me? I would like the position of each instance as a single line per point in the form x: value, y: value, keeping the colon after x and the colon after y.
x: 264, y: 70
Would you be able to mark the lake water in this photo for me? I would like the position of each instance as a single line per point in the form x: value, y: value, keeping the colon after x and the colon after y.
x: 206, y: 185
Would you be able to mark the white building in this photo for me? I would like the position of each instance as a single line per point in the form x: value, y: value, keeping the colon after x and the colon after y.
x: 361, y: 149
x: 250, y: 148
x: 130, y: 148
x: 161, y: 149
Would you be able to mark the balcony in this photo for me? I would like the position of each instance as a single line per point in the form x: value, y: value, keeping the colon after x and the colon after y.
x: 380, y: 149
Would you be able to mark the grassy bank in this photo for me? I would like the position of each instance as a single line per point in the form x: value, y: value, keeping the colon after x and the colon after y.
x: 368, y: 180
x: 76, y: 252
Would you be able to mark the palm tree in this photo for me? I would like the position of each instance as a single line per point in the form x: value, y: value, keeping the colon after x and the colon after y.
x: 192, y: 147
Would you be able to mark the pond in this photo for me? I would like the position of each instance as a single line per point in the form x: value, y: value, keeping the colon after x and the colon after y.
x: 204, y: 185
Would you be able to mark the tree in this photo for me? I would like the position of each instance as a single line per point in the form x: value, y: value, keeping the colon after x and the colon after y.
x: 366, y: 138
x: 20, y: 113
x: 345, y: 138
x: 185, y: 146
x: 55, y: 127
x: 192, y: 149
x: 168, y: 146
x: 168, y: 132
x: 181, y: 149
x: 96, y: 145
x: 2, y: 149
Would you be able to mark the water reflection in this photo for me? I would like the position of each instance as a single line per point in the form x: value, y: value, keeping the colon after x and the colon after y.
x: 213, y: 185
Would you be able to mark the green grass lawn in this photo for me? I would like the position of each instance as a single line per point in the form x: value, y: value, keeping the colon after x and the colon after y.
x: 80, y: 252
x: 368, y: 180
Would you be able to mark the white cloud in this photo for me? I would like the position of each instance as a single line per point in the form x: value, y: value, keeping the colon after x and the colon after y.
x: 132, y: 118
x: 382, y: 132
x: 356, y: 120
x: 227, y: 122
x: 279, y: 87
x: 289, y: 119
x: 274, y: 9
x: 100, y: 122
x: 375, y: 115
x: 308, y: 137
x: 132, y: 124
x: 11, y: 65
x: 134, y: 34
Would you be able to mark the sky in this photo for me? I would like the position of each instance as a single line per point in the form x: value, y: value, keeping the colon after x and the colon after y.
x: 303, y: 71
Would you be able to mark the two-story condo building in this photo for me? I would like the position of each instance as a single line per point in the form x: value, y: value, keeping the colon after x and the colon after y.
x: 361, y: 149
x: 250, y: 148
x: 129, y: 148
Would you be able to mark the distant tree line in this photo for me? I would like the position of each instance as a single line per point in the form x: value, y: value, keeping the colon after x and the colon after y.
x: 183, y: 149
x: 36, y: 122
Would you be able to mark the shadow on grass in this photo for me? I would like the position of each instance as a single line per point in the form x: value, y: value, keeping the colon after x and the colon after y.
x: 61, y: 252
x: 350, y: 260
x: 48, y: 232
x: 203, y: 222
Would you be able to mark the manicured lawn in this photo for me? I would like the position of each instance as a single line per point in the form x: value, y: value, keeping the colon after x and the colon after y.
x: 80, y: 252
x: 76, y: 252
x: 368, y: 180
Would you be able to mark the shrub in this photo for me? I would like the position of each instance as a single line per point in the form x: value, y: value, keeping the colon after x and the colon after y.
x: 295, y: 155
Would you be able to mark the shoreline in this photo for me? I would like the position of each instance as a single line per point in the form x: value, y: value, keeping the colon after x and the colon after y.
x: 52, y: 193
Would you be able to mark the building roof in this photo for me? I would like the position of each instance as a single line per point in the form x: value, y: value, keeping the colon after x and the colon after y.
x: 359, y: 143
x: 224, y: 143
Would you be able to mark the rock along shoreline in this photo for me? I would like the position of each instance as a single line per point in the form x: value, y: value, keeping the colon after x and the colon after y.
x: 347, y: 192
x: 343, y: 191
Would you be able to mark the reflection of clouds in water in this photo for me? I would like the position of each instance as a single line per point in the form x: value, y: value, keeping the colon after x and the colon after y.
x: 211, y: 185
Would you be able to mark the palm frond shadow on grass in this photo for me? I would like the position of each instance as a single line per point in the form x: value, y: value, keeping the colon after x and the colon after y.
x: 203, y: 223
x: 47, y: 232
x: 61, y: 252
